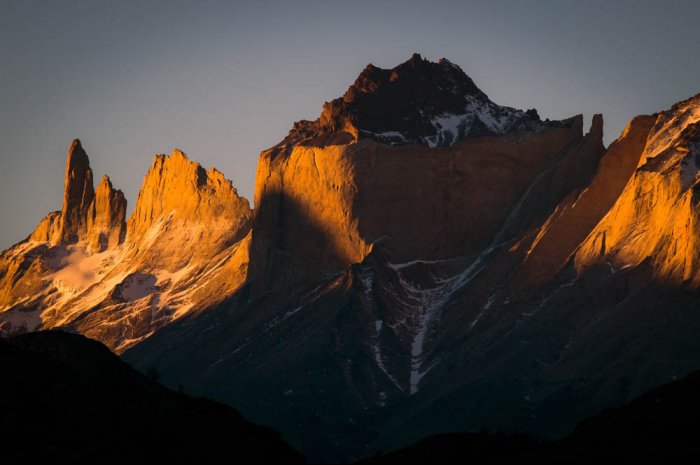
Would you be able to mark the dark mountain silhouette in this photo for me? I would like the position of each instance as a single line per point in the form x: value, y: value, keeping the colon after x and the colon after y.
x: 659, y: 427
x: 68, y: 399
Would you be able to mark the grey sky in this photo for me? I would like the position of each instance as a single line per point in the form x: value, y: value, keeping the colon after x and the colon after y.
x: 225, y: 80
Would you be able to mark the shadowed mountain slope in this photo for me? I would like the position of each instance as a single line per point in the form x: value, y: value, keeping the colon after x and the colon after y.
x: 659, y: 427
x: 68, y: 399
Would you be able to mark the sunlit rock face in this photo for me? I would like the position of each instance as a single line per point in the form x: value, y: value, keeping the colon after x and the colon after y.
x: 185, y: 213
x: 576, y: 216
x: 337, y: 186
x: 106, y: 218
x: 48, y: 228
x: 656, y: 216
x: 78, y: 195
x: 184, y: 249
x: 96, y: 217
x: 86, y: 222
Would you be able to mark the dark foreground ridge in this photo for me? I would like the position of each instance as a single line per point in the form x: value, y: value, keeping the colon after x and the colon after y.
x: 659, y: 427
x: 68, y: 399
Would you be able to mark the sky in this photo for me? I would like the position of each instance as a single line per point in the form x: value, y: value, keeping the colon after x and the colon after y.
x: 225, y: 80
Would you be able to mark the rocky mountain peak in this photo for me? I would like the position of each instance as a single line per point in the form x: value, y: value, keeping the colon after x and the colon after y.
x: 93, y: 217
x: 416, y: 102
x: 106, y: 219
x: 184, y: 249
x: 435, y: 87
x: 78, y: 193
x: 675, y: 141
x: 654, y: 219
x: 178, y: 190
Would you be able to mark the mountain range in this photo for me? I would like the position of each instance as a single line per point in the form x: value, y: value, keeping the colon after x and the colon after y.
x: 419, y: 260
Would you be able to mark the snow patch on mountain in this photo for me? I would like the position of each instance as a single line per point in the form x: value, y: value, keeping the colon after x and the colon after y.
x: 378, y: 326
x: 669, y: 125
x: 480, y: 117
x: 428, y: 302
x: 675, y: 141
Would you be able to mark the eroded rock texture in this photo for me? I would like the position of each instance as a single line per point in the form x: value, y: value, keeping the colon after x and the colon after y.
x: 184, y: 249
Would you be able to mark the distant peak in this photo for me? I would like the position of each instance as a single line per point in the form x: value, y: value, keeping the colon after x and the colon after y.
x: 180, y: 188
x: 177, y: 153
x: 597, y: 125
x: 177, y: 176
x: 414, y: 77
x: 77, y: 155
x: 94, y: 216
x: 105, y: 185
x: 78, y: 193
x: 106, y: 222
x: 416, y: 102
x: 445, y: 62
x: 416, y: 57
x: 693, y: 101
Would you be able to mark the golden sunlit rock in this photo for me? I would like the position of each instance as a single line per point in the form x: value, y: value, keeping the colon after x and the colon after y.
x: 578, y: 214
x: 320, y: 208
x: 106, y: 219
x: 656, y: 216
x: 192, y: 212
x: 184, y: 249
x: 78, y: 194
x: 47, y: 229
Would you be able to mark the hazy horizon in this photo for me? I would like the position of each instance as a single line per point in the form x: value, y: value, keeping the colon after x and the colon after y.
x: 223, y: 81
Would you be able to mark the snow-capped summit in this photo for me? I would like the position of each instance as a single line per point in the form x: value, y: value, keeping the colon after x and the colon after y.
x: 417, y: 102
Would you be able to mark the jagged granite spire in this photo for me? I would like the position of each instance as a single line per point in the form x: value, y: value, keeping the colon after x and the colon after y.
x: 106, y: 219
x: 78, y: 194
x: 97, y: 218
